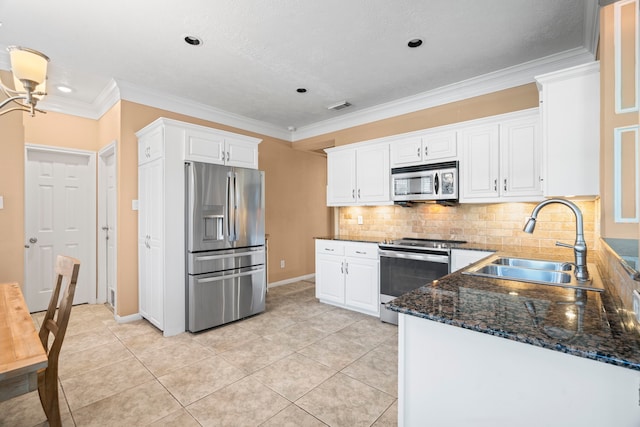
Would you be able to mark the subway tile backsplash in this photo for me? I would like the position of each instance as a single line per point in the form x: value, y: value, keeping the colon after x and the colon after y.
x: 497, y: 224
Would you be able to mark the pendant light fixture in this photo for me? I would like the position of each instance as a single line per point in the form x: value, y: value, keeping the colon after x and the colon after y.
x: 29, y: 68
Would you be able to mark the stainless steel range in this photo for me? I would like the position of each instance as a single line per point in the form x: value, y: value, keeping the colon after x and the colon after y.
x: 406, y: 264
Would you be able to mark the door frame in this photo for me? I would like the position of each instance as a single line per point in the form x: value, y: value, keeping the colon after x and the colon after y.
x: 101, y: 296
x: 91, y: 238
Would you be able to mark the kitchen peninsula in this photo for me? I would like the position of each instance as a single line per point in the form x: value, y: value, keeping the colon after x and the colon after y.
x: 488, y: 352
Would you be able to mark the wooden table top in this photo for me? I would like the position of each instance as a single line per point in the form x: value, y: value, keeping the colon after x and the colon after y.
x: 21, y: 351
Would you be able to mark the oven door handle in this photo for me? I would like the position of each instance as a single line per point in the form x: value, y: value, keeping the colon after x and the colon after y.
x: 444, y: 259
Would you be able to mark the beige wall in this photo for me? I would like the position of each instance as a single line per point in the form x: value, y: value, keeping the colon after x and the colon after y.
x: 295, y: 201
x: 609, y: 121
x: 295, y: 187
x: 11, y: 185
x: 504, y: 101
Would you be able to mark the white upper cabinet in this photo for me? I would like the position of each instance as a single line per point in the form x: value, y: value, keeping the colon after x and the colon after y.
x: 427, y: 147
x: 151, y: 146
x: 570, y: 105
x: 520, y: 157
x: 341, y: 178
x: 358, y: 176
x: 219, y: 147
x: 501, y: 159
x: 480, y: 165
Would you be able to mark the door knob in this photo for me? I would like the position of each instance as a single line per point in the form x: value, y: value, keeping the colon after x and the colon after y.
x: 33, y: 240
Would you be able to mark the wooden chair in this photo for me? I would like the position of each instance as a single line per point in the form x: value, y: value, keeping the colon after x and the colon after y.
x: 67, y: 272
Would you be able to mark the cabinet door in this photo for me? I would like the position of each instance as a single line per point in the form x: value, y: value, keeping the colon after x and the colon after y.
x: 151, y: 218
x: 479, y: 169
x: 204, y: 147
x: 241, y: 154
x: 520, y: 157
x: 330, y: 278
x: 361, y: 285
x: 439, y: 145
x: 405, y: 152
x: 373, y: 174
x: 571, y: 130
x: 151, y: 146
x: 341, y: 178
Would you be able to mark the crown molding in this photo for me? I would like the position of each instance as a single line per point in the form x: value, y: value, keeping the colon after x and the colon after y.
x: 492, y: 82
x: 157, y: 99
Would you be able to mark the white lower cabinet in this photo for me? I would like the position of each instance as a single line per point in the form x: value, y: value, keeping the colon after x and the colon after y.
x: 440, y: 366
x: 461, y: 258
x: 347, y: 275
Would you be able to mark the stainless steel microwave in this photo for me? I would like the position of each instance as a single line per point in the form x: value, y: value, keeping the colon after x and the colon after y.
x: 433, y: 182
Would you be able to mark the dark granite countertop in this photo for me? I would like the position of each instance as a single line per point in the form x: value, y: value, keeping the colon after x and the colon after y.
x: 545, y: 316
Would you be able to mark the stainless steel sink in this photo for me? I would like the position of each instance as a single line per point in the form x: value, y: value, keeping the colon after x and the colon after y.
x: 525, y: 274
x: 534, y: 263
x: 529, y: 270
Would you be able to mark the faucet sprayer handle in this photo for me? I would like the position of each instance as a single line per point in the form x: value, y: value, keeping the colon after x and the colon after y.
x: 566, y: 245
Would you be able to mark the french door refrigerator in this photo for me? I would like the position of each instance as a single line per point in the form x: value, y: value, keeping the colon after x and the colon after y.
x: 226, y: 275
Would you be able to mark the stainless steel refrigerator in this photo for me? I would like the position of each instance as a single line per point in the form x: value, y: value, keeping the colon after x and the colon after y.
x: 226, y: 275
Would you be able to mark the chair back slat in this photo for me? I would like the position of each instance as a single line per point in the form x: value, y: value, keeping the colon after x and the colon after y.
x: 55, y: 323
x: 66, y: 269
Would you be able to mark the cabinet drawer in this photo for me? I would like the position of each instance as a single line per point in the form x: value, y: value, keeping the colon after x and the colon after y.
x: 362, y: 251
x: 329, y: 247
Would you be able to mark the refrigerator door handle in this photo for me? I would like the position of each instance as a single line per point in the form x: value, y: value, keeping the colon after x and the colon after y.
x: 236, y: 217
x: 229, y: 202
x: 230, y: 276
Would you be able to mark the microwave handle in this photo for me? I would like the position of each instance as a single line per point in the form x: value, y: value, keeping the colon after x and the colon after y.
x: 436, y: 183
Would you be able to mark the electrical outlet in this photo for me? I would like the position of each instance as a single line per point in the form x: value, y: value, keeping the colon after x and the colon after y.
x: 360, y: 222
x: 281, y: 263
x: 636, y: 304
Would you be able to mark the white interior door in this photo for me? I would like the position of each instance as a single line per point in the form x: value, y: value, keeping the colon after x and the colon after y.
x: 107, y: 226
x: 60, y: 212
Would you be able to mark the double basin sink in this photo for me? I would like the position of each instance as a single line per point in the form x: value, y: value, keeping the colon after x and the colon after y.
x: 527, y: 270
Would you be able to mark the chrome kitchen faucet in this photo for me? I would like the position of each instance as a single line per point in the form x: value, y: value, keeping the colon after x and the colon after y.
x: 579, y: 247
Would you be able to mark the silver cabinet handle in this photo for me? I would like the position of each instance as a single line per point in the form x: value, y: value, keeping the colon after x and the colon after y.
x: 495, y: 185
x: 418, y: 152
x: 342, y: 267
x: 426, y: 151
x: 346, y: 268
x: 228, y: 156
x: 361, y: 253
x: 358, y: 193
x: 505, y: 184
x: 33, y: 240
x: 353, y: 193
x: 329, y: 249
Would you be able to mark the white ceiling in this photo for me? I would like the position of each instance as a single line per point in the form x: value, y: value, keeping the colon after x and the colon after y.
x: 256, y: 53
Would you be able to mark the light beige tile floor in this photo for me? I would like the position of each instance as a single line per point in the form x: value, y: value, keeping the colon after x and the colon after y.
x: 301, y: 363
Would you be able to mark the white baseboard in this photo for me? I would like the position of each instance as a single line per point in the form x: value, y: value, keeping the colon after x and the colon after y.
x: 127, y: 319
x: 292, y: 280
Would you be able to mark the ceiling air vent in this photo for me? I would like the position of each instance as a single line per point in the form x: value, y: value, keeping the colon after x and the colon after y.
x: 339, y: 106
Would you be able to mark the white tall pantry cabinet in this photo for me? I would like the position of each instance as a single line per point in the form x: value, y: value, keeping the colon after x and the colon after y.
x: 163, y: 147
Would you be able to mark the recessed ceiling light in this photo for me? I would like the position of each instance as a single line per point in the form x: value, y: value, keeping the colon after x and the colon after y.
x: 64, y: 89
x: 193, y: 40
x: 413, y: 43
x: 301, y: 90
